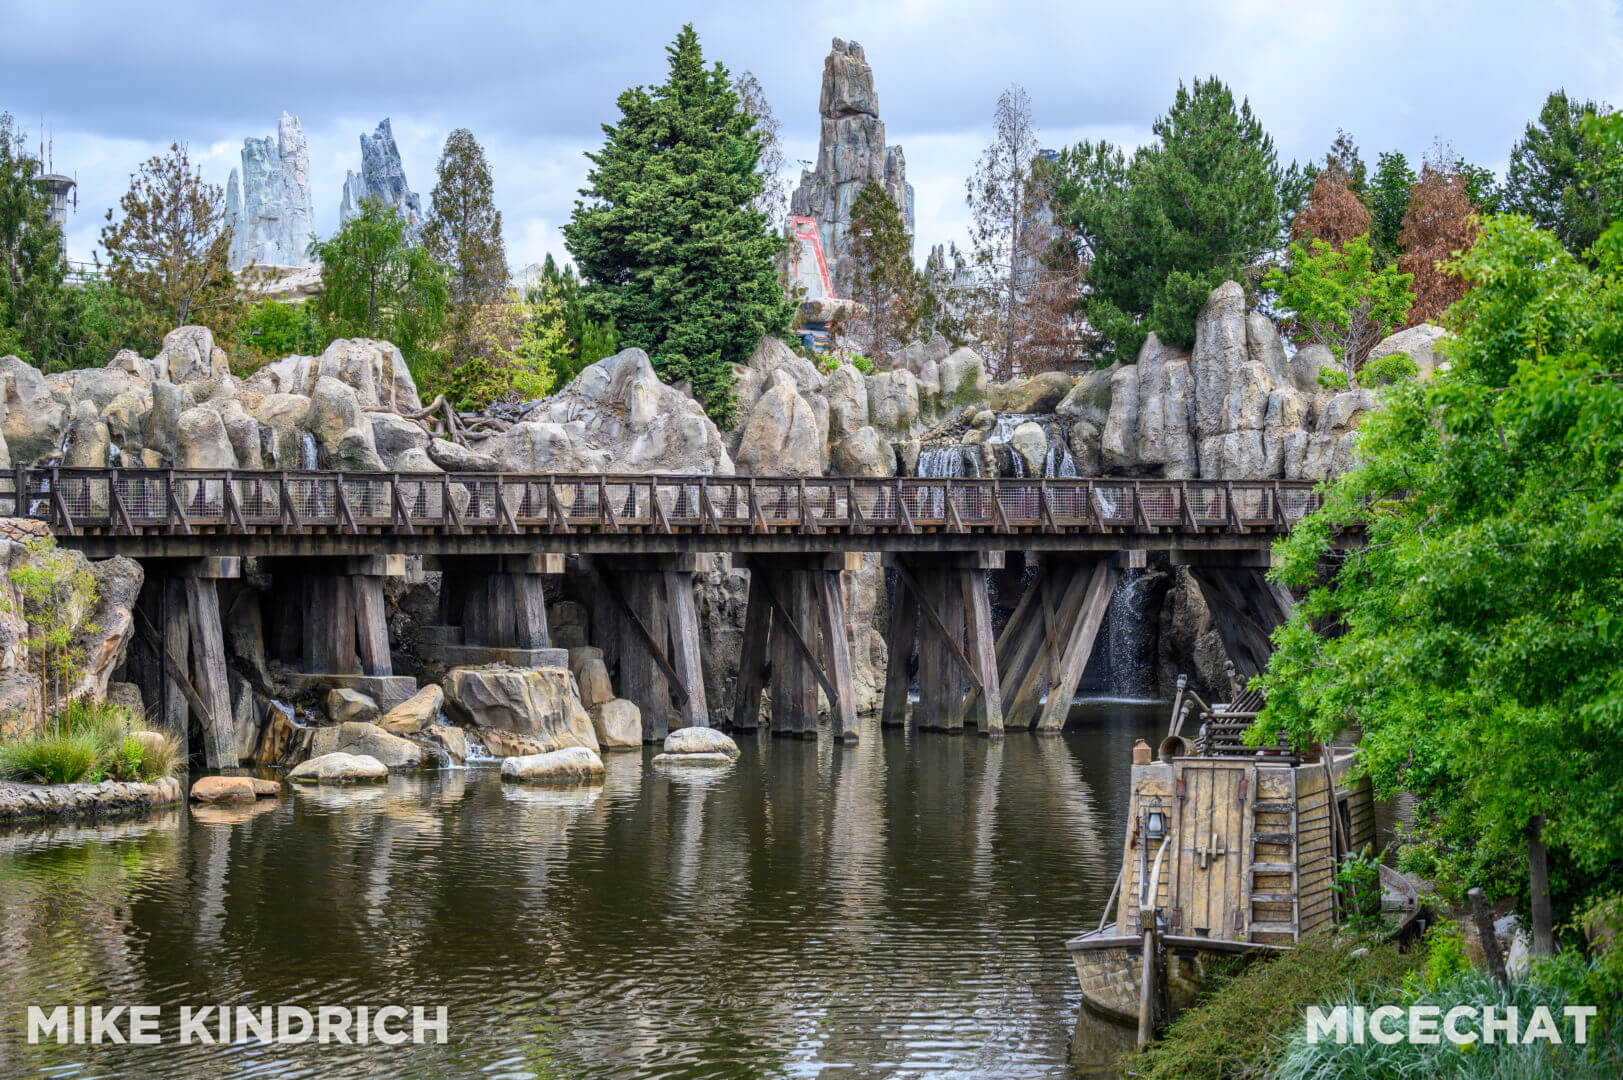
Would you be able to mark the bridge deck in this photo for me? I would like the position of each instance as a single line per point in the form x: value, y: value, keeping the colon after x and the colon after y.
x: 182, y: 513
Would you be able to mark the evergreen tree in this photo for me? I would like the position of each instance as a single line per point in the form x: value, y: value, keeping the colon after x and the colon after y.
x: 1552, y: 170
x: 464, y: 233
x: 35, y: 304
x: 589, y: 340
x: 377, y: 284
x: 669, y: 240
x: 170, y: 251
x: 1388, y: 199
x: 886, y: 283
x: 1160, y: 230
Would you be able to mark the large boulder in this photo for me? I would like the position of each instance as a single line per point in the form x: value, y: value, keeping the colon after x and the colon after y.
x: 962, y: 383
x: 223, y: 789
x: 540, y: 447
x: 189, y: 355
x: 1030, y: 441
x: 782, y: 437
x: 571, y: 765
x: 1238, y: 364
x: 88, y: 438
x: 1041, y: 393
x: 345, y: 705
x: 593, y: 678
x: 847, y: 395
x: 414, y: 714
x: 863, y: 453
x: 394, y: 436
x: 893, y: 402
x: 202, y: 442
x: 1420, y: 342
x: 454, y: 457
x: 1304, y: 367
x: 373, y: 370
x: 1166, y: 402
x: 539, y: 705
x: 697, y: 740
x: 367, y: 740
x: 33, y: 420
x: 340, y: 768
x: 618, y: 724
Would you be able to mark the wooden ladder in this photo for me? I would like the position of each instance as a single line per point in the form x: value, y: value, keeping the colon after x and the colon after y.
x: 1272, y: 836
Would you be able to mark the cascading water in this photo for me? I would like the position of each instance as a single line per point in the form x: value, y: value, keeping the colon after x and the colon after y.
x: 1131, y: 634
x: 954, y: 459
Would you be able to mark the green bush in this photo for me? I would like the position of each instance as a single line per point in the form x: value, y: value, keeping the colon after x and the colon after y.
x: 50, y: 759
x: 272, y: 329
x: 1385, y: 370
x: 1332, y: 378
x: 1358, y: 883
x: 1327, y: 1059
x: 1233, y: 1030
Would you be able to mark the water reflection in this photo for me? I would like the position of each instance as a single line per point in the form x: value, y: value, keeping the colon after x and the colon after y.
x: 891, y: 909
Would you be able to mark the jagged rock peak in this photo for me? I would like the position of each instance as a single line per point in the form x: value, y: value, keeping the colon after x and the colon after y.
x: 382, y: 178
x: 273, y: 224
x: 848, y: 82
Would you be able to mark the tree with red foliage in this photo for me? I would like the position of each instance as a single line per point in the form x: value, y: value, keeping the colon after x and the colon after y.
x: 1333, y: 212
x: 1440, y: 225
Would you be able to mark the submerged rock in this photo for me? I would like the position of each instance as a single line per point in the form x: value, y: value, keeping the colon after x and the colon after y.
x: 571, y: 765
x: 697, y: 740
x: 221, y: 789
x: 340, y: 768
x: 367, y: 740
x: 618, y: 724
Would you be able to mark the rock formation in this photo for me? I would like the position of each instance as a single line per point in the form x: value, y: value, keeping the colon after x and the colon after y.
x: 851, y: 152
x: 273, y: 223
x: 382, y: 179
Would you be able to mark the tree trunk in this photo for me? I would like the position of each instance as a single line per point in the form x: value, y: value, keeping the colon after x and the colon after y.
x: 1538, y: 875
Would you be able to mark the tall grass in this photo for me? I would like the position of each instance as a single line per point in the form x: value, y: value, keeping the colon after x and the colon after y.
x: 1601, y: 1057
x: 91, y: 741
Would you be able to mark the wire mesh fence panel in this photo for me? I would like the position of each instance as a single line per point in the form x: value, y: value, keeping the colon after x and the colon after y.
x: 1113, y: 503
x: 1161, y: 504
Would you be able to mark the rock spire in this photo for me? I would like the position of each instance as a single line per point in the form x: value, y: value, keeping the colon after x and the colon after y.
x: 383, y: 179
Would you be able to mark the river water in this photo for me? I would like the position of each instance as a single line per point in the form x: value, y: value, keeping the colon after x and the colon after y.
x: 895, y: 909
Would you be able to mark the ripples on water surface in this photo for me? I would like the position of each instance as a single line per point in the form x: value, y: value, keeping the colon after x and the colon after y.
x: 897, y: 909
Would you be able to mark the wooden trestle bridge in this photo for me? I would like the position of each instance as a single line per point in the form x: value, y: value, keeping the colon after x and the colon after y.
x: 327, y: 540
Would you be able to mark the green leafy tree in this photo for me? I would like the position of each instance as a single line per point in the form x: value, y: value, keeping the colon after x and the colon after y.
x: 54, y: 590
x: 464, y: 233
x: 35, y: 305
x: 669, y: 239
x: 885, y: 281
x: 1160, y: 230
x: 1340, y: 300
x: 590, y: 340
x: 1388, y: 200
x: 377, y: 284
x: 169, y: 252
x: 1553, y: 173
x: 1476, y: 635
x: 515, y: 347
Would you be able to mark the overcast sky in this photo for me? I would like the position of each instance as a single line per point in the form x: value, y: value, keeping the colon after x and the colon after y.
x: 116, y: 82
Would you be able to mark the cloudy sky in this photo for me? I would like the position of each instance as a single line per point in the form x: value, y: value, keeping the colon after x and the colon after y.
x: 118, y: 81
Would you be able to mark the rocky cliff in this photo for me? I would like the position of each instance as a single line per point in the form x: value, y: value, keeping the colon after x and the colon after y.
x: 382, y: 179
x: 851, y: 152
x: 269, y: 207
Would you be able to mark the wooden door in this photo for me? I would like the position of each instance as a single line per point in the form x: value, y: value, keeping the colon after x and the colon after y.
x: 1208, y: 880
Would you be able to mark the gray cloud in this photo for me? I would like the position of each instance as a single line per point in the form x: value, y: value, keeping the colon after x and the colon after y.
x: 116, y: 82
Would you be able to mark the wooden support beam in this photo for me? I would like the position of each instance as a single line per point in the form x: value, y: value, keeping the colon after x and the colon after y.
x: 752, y: 665
x: 1079, y: 644
x: 962, y: 676
x: 1022, y: 703
x: 646, y: 675
x: 177, y: 646
x: 530, y: 612
x: 837, y: 647
x: 371, y: 626
x: 988, y: 703
x: 904, y: 620
x: 938, y: 619
x: 795, y: 670
x: 1237, y: 603
x: 208, y: 673
x: 684, y: 628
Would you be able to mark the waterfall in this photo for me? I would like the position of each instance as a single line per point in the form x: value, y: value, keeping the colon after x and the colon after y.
x: 307, y: 443
x: 954, y: 459
x: 1131, y: 634
x: 1057, y: 461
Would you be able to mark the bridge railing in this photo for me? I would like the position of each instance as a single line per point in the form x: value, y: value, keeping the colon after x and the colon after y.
x: 131, y: 501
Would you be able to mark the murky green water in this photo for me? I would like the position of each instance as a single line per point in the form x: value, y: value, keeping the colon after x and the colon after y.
x: 897, y: 909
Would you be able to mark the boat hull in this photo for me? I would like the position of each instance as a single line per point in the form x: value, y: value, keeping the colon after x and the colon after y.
x: 1110, y: 969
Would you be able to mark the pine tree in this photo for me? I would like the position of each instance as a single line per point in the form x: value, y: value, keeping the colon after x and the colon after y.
x: 885, y: 282
x: 668, y: 238
x: 1551, y: 174
x: 1160, y: 230
x: 170, y: 251
x: 464, y: 232
x: 1388, y: 199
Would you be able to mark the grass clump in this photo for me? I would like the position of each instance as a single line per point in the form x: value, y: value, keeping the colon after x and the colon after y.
x: 89, y: 741
x: 1235, y: 1029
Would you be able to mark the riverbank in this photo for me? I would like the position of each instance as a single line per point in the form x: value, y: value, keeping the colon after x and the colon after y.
x: 109, y: 798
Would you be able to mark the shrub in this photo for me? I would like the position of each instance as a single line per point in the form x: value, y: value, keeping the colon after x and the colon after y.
x: 1445, y: 959
x: 1234, y: 1030
x: 50, y: 758
x: 162, y: 758
x: 125, y: 762
x: 1389, y: 369
x: 1358, y: 883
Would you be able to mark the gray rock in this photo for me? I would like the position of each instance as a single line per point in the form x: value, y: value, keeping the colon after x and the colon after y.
x: 1166, y: 405
x: 864, y: 453
x: 537, y: 447
x: 393, y: 435
x: 367, y: 740
x: 782, y: 437
x: 274, y: 223
x: 190, y: 354
x: 1030, y: 441
x: 1118, y: 446
x: 571, y: 765
x: 963, y: 383
x: 454, y: 457
x: 242, y: 431
x: 1420, y: 342
x: 1237, y: 367
x: 88, y: 439
x: 540, y: 705
x: 893, y: 402
x: 202, y: 442
x: 618, y: 724
x: 339, y: 768
x: 382, y: 179
x: 847, y: 394
x: 345, y: 705
x: 334, y: 410
x: 697, y: 740
x: 1305, y: 366
x: 34, y: 420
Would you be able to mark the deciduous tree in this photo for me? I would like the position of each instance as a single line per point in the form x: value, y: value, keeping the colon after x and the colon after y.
x: 169, y: 250
x: 668, y: 237
x: 1337, y: 298
x: 1440, y: 225
x: 1333, y: 214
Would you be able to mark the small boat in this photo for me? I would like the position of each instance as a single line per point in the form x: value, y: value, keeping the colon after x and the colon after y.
x: 1230, y: 851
